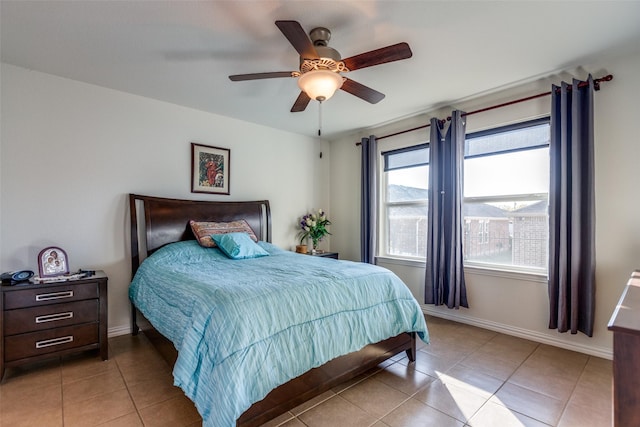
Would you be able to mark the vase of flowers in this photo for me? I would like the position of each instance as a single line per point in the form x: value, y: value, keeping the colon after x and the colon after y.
x: 314, y: 226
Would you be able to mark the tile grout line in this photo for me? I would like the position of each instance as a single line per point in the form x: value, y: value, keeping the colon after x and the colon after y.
x: 438, y: 379
x: 488, y: 400
x: 466, y: 422
x: 126, y: 386
x: 536, y: 391
x: 61, y: 393
x: 412, y: 396
x: 573, y: 390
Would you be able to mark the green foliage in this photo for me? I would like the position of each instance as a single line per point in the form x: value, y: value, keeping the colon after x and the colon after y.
x: 314, y: 226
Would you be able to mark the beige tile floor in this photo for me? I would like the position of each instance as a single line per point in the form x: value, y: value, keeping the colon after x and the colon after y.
x: 467, y: 376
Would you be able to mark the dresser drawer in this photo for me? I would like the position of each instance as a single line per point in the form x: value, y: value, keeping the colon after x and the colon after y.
x: 49, y: 341
x: 34, y: 297
x: 50, y: 316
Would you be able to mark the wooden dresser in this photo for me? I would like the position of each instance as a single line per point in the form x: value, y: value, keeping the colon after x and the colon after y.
x: 46, y: 320
x: 625, y: 324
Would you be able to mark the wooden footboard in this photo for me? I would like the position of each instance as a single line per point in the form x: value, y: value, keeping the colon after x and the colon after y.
x: 306, y: 386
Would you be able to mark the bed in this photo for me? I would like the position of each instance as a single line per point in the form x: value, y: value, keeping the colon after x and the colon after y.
x: 293, y: 349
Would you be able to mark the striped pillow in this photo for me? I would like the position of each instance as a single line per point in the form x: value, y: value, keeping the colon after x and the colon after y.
x: 204, y: 230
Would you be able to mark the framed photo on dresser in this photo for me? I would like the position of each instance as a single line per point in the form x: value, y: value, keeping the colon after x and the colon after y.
x: 53, y: 261
x: 209, y: 169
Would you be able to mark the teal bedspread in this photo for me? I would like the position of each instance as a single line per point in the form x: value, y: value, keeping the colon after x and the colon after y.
x: 243, y: 327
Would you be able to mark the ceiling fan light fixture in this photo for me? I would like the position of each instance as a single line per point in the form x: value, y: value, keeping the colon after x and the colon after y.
x: 320, y: 84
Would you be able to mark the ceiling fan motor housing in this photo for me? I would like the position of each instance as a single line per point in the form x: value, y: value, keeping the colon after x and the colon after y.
x: 320, y: 36
x: 328, y: 52
x: 328, y: 57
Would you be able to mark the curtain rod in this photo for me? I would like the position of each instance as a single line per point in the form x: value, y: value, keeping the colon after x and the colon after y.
x: 596, y: 82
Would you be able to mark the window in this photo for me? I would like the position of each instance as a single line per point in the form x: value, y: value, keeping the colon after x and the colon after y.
x: 506, y: 185
x: 483, y: 234
x: 406, y: 179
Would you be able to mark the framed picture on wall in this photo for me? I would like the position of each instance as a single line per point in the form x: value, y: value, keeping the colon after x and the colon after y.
x: 209, y: 169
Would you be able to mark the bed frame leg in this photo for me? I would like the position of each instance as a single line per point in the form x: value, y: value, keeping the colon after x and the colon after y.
x: 411, y: 352
x: 134, y: 324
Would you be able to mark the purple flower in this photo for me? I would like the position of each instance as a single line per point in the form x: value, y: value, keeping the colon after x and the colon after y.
x: 314, y: 226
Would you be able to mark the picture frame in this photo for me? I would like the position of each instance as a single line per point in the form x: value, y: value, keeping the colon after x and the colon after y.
x: 53, y: 261
x: 210, y: 169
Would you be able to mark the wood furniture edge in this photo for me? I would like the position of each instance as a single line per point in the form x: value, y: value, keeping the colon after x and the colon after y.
x: 625, y: 325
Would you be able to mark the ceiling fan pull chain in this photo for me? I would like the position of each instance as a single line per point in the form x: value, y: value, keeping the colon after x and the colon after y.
x: 319, y: 118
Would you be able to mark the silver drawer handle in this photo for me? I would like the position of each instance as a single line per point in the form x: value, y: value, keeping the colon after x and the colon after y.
x: 54, y: 295
x: 54, y: 317
x: 54, y: 341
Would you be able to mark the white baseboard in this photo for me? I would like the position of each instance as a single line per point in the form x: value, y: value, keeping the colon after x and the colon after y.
x: 603, y: 352
x: 119, y: 330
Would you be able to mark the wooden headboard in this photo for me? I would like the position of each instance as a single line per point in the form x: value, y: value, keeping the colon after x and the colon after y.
x: 157, y: 221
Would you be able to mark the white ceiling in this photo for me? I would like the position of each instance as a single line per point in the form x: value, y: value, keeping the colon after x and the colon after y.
x: 182, y: 51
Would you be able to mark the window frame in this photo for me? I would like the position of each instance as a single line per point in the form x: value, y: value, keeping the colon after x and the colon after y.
x: 384, y: 205
x: 383, y: 237
x: 507, y: 197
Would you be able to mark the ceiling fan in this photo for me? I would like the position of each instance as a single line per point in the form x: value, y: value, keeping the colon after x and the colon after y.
x: 320, y: 70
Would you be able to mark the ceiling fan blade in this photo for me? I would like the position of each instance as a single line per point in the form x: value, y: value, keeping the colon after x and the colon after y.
x: 362, y: 91
x: 383, y: 55
x: 301, y: 103
x: 257, y: 76
x: 293, y: 31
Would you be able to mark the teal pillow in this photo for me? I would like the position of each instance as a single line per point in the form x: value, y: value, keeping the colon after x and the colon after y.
x: 238, y: 246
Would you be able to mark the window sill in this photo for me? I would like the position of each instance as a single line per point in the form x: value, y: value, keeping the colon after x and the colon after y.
x: 419, y: 263
x: 530, y: 276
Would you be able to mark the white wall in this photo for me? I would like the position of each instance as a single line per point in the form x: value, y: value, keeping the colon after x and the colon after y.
x: 510, y: 303
x: 71, y: 152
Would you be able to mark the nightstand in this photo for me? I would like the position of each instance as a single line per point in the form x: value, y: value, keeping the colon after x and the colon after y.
x: 46, y: 320
x: 325, y: 254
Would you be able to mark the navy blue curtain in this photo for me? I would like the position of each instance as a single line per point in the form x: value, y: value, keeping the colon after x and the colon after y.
x: 572, y: 209
x: 368, y: 211
x: 444, y: 282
